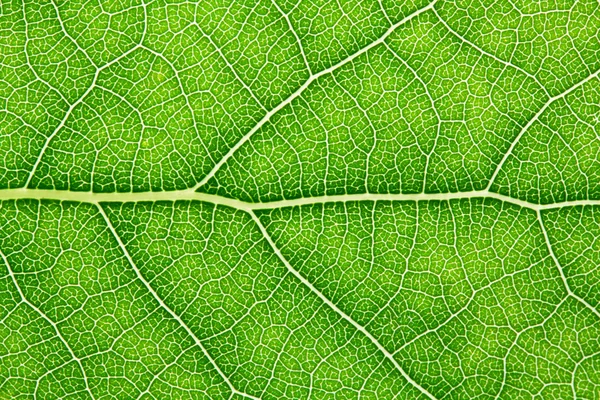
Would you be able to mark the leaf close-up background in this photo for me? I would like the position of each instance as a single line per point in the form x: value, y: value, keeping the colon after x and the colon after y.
x: 299, y: 199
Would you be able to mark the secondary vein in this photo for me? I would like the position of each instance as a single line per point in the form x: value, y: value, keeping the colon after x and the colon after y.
x: 335, y: 308
x: 166, y: 307
x: 302, y: 88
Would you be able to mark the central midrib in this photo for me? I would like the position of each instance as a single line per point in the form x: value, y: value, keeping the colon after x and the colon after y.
x: 190, y: 195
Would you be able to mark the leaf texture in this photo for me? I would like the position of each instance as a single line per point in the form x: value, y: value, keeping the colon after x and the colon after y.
x: 302, y: 199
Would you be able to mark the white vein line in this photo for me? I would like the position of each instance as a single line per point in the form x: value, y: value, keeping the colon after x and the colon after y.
x: 225, y: 60
x: 71, y: 107
x: 488, y: 54
x: 392, y: 197
x: 164, y: 306
x: 59, y: 127
x: 291, y: 27
x: 80, y: 99
x: 28, y: 62
x: 48, y: 320
x: 68, y: 35
x: 433, y: 107
x: 515, y: 342
x: 157, y: 375
x: 302, y: 88
x: 560, y: 270
x: 186, y: 195
x: 337, y: 310
x: 532, y: 121
x: 384, y: 12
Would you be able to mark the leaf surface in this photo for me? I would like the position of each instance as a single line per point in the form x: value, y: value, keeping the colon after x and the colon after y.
x: 299, y: 199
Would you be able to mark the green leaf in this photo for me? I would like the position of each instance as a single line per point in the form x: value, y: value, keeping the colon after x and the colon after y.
x: 302, y: 199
